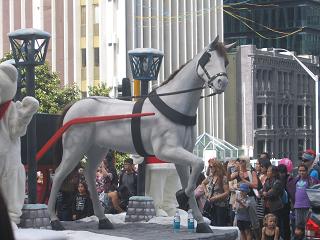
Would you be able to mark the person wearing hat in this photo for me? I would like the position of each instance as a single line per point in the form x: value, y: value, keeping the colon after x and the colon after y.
x: 242, y: 211
x: 128, y: 177
x: 308, y: 158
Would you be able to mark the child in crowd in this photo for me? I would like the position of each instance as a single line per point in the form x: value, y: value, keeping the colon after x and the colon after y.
x: 82, y: 204
x: 242, y: 211
x: 270, y: 231
x: 298, y: 232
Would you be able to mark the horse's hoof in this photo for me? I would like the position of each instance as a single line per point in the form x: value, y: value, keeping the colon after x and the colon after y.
x: 203, y: 228
x: 105, y: 224
x: 56, y: 225
x: 182, y: 199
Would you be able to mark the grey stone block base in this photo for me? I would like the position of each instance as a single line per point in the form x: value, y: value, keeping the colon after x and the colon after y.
x: 35, y: 216
x: 140, y: 208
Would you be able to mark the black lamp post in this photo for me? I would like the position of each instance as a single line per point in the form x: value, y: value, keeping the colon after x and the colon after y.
x: 29, y: 49
x: 145, y: 65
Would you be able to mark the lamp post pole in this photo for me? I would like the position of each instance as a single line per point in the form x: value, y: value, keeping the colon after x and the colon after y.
x: 316, y: 81
x: 145, y: 65
x: 31, y: 140
x: 29, y: 49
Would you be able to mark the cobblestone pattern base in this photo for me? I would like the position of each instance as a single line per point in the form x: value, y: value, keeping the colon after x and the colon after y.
x: 140, y: 208
x: 35, y: 216
x: 147, y: 231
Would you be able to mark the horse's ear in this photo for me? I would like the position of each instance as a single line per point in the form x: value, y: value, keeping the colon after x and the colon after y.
x: 231, y: 45
x: 213, y: 45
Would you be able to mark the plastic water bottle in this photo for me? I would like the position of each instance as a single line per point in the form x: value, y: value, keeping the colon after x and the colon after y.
x: 176, y: 222
x: 190, y: 221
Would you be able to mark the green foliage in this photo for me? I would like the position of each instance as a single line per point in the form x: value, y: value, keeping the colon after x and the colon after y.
x: 52, y: 97
x: 101, y: 90
x: 120, y: 157
x: 49, y: 92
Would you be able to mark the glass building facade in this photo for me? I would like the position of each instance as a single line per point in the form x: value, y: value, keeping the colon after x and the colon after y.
x: 282, y: 16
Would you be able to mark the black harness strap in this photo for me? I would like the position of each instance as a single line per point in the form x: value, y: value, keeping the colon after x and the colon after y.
x: 170, y: 113
x: 136, y: 129
x: 167, y: 111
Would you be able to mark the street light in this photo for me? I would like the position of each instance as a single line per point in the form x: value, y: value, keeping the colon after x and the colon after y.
x: 29, y: 48
x: 145, y: 65
x: 316, y: 80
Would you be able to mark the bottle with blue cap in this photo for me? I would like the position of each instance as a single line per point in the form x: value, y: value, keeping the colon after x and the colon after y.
x: 176, y: 222
x: 190, y: 221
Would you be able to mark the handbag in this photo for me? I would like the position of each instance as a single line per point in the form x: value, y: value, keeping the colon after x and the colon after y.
x: 208, y: 210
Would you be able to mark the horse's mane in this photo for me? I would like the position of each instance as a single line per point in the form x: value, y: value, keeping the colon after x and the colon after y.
x: 172, y: 75
x: 221, y: 50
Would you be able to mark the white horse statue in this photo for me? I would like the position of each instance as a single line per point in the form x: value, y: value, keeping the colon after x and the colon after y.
x: 161, y: 135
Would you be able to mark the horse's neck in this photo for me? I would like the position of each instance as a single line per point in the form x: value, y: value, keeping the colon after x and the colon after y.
x: 186, y: 103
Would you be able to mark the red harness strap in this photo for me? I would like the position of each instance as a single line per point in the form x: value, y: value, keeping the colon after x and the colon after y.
x: 3, y: 108
x: 153, y: 159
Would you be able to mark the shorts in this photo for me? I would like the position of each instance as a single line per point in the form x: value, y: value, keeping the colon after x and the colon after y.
x: 243, y: 225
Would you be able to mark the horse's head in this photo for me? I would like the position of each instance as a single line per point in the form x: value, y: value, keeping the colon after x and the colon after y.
x: 212, y: 64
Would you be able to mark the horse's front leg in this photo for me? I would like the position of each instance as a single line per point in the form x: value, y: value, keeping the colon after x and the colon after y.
x: 182, y: 158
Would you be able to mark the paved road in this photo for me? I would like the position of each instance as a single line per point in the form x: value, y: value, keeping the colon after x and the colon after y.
x: 146, y: 231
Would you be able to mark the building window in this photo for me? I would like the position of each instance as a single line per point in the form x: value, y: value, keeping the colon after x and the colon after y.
x: 269, y: 146
x: 300, y: 116
x: 83, y: 57
x: 259, y: 82
x: 83, y: 21
x: 280, y: 116
x: 285, y: 82
x: 270, y: 76
x: 280, y: 82
x: 269, y: 116
x: 280, y: 145
x: 290, y: 118
x: 308, y: 117
x: 260, y: 114
x: 285, y: 148
x: 260, y: 146
x: 301, y: 147
x: 264, y: 80
x: 299, y: 84
x: 96, y: 57
x: 305, y: 84
x: 285, y: 115
x: 96, y: 19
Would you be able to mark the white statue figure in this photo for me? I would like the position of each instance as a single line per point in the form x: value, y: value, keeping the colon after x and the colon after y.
x: 170, y: 134
x: 161, y: 183
x: 14, y: 119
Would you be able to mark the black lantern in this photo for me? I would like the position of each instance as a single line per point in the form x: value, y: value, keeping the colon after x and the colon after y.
x: 29, y: 48
x: 145, y: 63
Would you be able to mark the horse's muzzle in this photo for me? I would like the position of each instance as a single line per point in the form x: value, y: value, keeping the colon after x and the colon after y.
x: 218, y: 84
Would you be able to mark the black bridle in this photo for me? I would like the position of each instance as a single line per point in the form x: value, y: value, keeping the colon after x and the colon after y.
x: 204, y: 59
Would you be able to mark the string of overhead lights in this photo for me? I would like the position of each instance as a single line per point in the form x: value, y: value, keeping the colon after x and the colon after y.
x: 284, y: 34
x: 166, y: 18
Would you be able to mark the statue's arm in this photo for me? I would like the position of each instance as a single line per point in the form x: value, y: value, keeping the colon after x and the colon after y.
x: 21, y: 116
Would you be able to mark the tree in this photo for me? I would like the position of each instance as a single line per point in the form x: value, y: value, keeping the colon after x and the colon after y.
x: 51, y: 96
x: 101, y: 90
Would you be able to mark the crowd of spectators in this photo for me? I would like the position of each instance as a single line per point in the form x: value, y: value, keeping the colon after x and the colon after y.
x: 264, y: 201
x: 74, y: 201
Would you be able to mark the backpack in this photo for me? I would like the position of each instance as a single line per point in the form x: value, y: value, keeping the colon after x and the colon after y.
x: 284, y: 197
x: 316, y: 167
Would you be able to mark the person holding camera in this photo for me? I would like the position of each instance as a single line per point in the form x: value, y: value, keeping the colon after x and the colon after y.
x: 217, y: 192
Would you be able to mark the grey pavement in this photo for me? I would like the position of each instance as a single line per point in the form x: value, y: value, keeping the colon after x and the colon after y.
x: 144, y: 231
